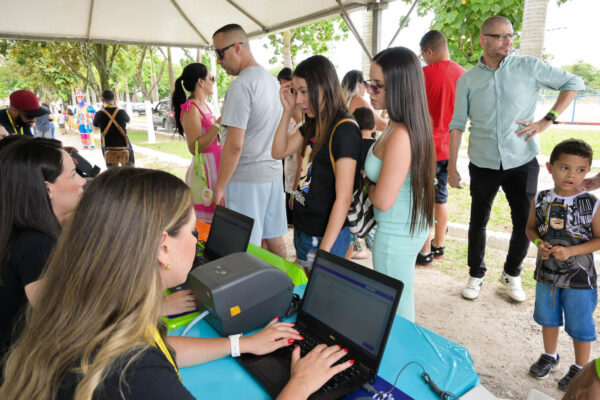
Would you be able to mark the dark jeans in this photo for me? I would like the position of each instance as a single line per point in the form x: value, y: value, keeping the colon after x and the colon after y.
x: 519, y: 185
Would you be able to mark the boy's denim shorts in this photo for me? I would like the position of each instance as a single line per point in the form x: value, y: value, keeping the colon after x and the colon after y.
x: 578, y: 306
x: 307, y: 246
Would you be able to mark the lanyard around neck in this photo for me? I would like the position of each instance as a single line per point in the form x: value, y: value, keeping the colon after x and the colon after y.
x: 12, y: 123
x: 158, y: 342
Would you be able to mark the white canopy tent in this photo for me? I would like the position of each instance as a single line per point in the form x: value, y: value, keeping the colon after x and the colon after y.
x: 178, y: 23
x: 175, y: 23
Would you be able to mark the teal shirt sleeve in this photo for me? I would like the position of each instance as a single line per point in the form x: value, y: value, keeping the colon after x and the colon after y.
x: 552, y: 78
x: 461, y: 105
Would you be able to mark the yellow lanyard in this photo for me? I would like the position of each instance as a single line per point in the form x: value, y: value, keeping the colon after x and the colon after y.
x: 158, y: 342
x: 13, y: 125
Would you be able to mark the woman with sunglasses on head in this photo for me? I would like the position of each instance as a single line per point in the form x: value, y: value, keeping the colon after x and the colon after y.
x: 39, y: 189
x: 196, y: 122
x: 100, y: 303
x: 322, y: 200
x: 353, y: 89
x: 401, y: 168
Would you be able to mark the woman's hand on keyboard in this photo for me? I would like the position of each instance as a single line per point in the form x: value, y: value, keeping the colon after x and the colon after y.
x: 313, y: 370
x: 274, y: 336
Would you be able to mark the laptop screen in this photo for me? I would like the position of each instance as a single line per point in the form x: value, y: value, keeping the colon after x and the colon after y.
x: 229, y: 233
x: 350, y: 303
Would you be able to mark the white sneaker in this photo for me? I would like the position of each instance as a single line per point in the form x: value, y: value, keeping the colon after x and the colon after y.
x: 513, y: 284
x: 471, y: 291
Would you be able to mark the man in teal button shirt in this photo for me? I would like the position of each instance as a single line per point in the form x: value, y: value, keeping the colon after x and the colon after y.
x: 499, y: 96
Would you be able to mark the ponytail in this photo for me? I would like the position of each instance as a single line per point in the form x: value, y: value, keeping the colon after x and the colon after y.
x: 189, y: 76
x: 177, y: 100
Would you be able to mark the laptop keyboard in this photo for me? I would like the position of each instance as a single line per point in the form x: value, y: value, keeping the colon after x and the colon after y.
x: 343, y: 377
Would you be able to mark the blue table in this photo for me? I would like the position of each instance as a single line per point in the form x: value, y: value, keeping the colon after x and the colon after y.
x: 448, y: 364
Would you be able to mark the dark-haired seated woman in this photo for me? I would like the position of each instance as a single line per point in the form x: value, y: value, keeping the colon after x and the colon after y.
x: 95, y: 333
x: 39, y: 189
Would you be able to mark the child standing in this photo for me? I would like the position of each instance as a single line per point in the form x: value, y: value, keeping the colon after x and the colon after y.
x: 565, y: 227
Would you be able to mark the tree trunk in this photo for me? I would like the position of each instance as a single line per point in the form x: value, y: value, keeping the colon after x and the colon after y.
x: 287, y: 50
x: 534, y: 28
x: 171, y: 73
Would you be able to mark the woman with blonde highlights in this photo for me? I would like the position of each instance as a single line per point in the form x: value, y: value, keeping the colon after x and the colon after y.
x: 95, y: 331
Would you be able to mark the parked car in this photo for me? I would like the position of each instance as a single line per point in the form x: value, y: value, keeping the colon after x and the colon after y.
x: 138, y: 109
x: 163, y: 116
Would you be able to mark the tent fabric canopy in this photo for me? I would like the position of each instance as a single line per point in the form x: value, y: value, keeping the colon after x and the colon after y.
x: 178, y: 23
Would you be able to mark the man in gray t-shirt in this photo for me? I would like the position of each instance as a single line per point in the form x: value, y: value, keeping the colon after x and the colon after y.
x: 250, y: 180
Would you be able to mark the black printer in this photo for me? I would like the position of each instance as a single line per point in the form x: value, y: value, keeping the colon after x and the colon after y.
x: 241, y: 292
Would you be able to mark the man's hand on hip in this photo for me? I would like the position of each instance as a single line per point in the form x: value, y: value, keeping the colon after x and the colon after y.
x: 531, y: 129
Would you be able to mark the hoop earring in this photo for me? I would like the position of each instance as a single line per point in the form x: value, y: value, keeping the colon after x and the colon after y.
x: 166, y: 267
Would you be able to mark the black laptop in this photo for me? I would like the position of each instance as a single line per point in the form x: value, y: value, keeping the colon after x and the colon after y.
x: 345, y: 304
x: 229, y: 233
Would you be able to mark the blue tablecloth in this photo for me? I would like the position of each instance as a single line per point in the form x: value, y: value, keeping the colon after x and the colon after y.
x: 449, y: 365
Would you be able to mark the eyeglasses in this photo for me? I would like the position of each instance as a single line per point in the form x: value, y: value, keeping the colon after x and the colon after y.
x: 502, y: 36
x: 221, y: 52
x: 374, y: 88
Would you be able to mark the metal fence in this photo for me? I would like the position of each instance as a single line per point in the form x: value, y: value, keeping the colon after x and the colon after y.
x: 585, y: 109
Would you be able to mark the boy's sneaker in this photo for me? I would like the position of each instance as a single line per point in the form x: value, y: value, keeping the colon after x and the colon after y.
x: 564, y: 382
x: 425, y: 260
x: 544, y: 365
x: 438, y: 252
x: 471, y: 291
x: 513, y: 284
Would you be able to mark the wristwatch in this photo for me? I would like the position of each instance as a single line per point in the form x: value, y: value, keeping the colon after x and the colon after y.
x: 551, y: 116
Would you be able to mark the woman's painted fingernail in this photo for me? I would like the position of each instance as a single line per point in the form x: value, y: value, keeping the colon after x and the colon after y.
x: 301, y: 337
x: 296, y: 346
x: 292, y: 323
x: 338, y: 346
x: 345, y: 350
x: 351, y: 362
x: 290, y: 341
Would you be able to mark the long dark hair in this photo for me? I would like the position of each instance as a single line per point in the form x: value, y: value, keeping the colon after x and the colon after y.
x: 25, y: 166
x: 189, y: 76
x: 407, y: 104
x: 319, y: 72
x: 350, y: 83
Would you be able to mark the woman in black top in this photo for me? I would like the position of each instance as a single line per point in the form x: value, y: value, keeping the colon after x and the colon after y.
x: 95, y: 332
x: 39, y: 188
x: 325, y: 194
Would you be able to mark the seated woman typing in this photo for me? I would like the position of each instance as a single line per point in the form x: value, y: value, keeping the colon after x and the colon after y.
x: 95, y: 330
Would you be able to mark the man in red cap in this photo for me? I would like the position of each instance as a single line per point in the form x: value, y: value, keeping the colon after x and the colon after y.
x: 20, y: 115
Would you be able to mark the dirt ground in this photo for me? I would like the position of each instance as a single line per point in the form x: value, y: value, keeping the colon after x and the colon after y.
x: 501, y: 335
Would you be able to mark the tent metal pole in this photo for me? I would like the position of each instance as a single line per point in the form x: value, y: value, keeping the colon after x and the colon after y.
x: 185, y: 17
x: 89, y: 27
x: 247, y: 14
x: 350, y: 24
x: 404, y: 22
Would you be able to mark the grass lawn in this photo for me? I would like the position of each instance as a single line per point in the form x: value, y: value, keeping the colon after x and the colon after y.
x: 167, y: 144
x: 552, y: 137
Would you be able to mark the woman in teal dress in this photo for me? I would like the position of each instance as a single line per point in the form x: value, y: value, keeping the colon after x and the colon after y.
x: 401, y: 168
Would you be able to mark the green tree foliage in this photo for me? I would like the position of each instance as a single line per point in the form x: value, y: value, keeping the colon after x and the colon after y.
x: 589, y: 73
x: 460, y: 23
x: 312, y: 38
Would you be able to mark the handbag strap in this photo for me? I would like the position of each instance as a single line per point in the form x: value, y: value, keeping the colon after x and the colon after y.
x: 112, y: 121
x: 331, y: 139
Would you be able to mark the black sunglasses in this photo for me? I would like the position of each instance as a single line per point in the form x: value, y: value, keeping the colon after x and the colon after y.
x: 221, y: 52
x: 502, y: 36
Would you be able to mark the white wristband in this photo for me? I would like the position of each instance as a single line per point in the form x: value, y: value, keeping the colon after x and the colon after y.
x: 234, y: 341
